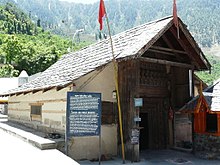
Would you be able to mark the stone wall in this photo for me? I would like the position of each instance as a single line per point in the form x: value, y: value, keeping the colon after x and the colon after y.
x: 183, y: 130
x: 207, y: 146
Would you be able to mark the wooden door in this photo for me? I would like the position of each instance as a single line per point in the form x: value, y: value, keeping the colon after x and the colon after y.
x: 157, y: 123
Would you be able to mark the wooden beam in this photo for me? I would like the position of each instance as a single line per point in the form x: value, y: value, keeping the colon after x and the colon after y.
x: 168, y: 49
x: 59, y: 88
x: 47, y: 89
x: 184, y: 46
x: 161, y: 52
x: 19, y: 93
x: 195, y: 45
x: 35, y: 91
x: 170, y: 44
x: 165, y: 62
x: 154, y: 39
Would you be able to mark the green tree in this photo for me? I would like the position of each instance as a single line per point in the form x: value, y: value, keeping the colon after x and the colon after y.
x: 8, y: 71
x: 12, y: 48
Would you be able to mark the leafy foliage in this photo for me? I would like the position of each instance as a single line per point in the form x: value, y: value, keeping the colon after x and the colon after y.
x: 25, y: 46
x: 8, y: 71
x: 207, y: 77
x: 201, y: 16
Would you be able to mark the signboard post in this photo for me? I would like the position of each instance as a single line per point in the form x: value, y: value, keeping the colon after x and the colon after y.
x: 83, y: 115
x: 135, y: 132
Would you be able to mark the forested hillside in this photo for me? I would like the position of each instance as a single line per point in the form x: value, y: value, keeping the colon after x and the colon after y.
x: 36, y: 49
x: 201, y: 16
x: 24, y: 45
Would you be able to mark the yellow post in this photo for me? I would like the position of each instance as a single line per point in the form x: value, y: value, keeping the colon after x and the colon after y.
x: 117, y: 90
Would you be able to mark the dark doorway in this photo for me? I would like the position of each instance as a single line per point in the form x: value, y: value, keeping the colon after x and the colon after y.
x: 154, y: 120
x: 211, y: 123
x: 144, y: 132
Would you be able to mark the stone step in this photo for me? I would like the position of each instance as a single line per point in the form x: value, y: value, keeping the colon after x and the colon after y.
x: 3, y: 116
x: 30, y: 138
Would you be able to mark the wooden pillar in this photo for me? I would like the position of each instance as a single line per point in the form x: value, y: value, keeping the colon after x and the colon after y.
x: 218, y: 123
x: 136, y: 150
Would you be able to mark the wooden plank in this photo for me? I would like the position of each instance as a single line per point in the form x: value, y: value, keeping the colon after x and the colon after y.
x: 39, y: 102
x: 161, y: 52
x: 154, y: 39
x: 36, y: 104
x: 152, y: 91
x: 164, y: 62
x: 168, y: 49
x: 187, y: 47
x: 170, y: 44
x: 194, y: 45
x: 53, y: 111
x: 16, y: 109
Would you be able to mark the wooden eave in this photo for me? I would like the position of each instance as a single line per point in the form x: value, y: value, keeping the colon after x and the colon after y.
x: 153, y: 40
x: 184, y: 51
x: 191, y: 47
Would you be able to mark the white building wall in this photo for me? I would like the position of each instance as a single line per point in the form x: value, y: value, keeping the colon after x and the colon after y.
x: 104, y: 83
x: 53, y: 117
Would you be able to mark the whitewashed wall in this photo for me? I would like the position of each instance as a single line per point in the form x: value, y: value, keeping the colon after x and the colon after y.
x: 54, y: 112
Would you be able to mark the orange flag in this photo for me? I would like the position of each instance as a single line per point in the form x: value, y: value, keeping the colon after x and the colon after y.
x: 101, y: 12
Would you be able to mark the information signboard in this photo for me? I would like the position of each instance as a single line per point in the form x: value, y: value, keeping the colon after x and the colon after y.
x: 83, y: 114
x: 138, y: 102
x: 135, y: 133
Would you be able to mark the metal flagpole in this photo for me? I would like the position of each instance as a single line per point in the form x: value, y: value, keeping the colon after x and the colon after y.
x: 117, y: 88
x: 66, y: 130
x: 100, y: 139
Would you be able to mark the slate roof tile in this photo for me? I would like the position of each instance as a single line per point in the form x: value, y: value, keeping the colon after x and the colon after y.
x: 76, y: 64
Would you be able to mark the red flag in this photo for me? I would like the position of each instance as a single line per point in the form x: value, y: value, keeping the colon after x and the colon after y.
x: 101, y: 12
x: 175, y: 17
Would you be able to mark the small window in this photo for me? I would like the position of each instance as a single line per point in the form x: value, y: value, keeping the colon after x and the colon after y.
x: 36, y: 109
x: 211, y: 123
x: 108, y: 112
x: 36, y: 112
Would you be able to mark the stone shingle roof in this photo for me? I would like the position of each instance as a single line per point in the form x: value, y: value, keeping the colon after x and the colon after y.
x: 128, y: 44
x: 74, y: 65
x: 212, y: 97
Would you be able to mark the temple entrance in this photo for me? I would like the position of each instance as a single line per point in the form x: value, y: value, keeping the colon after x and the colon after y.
x: 154, y: 123
x: 144, y: 132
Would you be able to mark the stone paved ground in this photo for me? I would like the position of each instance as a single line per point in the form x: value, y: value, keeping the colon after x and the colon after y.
x: 162, y: 157
x: 12, y: 151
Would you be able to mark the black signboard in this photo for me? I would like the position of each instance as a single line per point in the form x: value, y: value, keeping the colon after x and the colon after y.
x: 83, y: 114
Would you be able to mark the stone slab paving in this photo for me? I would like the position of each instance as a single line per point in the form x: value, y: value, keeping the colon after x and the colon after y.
x: 159, y: 157
x: 14, y: 151
x: 34, y: 140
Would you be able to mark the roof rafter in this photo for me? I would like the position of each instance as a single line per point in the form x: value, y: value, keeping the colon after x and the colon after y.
x: 184, y: 46
x: 172, y: 50
x: 165, y: 62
